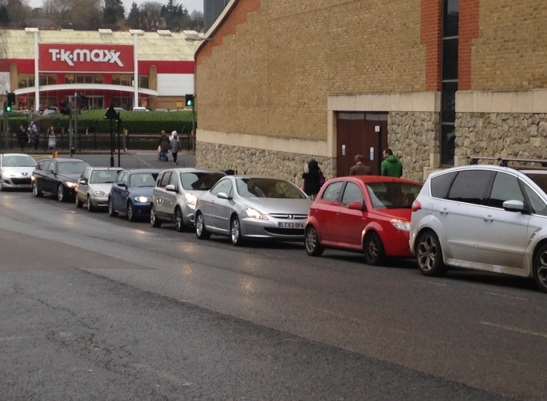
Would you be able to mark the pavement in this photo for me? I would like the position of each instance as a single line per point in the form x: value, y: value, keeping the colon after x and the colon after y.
x: 97, y: 308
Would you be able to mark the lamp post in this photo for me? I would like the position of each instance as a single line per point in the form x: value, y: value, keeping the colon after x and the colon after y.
x: 111, y: 115
x: 36, y: 33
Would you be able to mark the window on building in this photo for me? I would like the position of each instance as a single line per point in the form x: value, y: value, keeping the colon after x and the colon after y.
x: 143, y: 81
x: 25, y: 81
x: 451, y: 9
x: 122, y: 79
x: 70, y: 79
x: 89, y: 79
x: 48, y: 79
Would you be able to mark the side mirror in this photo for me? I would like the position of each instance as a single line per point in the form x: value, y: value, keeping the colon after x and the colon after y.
x: 171, y: 188
x: 224, y: 196
x: 356, y: 206
x: 83, y: 181
x: 514, y: 206
x: 122, y: 185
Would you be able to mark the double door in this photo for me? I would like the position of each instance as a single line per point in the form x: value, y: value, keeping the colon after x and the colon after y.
x: 360, y: 133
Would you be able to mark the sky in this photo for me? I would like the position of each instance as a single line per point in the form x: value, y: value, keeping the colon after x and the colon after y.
x: 191, y: 5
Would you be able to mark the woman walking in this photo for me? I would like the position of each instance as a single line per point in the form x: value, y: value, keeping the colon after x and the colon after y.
x: 175, y: 146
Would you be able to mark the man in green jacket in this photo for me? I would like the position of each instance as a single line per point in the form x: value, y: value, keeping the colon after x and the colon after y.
x: 391, y: 166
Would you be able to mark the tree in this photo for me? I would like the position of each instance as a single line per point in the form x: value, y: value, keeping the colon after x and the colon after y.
x: 150, y: 16
x: 113, y: 13
x: 197, y: 21
x: 133, y: 19
x: 76, y: 14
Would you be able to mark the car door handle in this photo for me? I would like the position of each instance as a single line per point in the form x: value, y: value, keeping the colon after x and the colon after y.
x: 488, y: 219
x: 444, y: 211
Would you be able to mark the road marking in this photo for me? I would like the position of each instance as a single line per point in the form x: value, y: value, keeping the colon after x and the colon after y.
x: 16, y: 338
x: 514, y: 329
x: 513, y: 297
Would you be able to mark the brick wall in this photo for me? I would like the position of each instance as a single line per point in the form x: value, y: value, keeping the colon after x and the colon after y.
x: 277, y: 61
x: 511, y: 51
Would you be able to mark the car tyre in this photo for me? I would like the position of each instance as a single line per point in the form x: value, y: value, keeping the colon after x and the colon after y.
x: 312, y: 242
x: 155, y: 221
x: 179, y: 220
x: 429, y: 254
x: 36, y: 190
x: 130, y: 212
x: 111, y: 211
x: 373, y: 249
x: 201, y: 230
x: 77, y: 201
x: 90, y: 207
x: 61, y: 193
x: 235, y: 232
x: 540, y: 267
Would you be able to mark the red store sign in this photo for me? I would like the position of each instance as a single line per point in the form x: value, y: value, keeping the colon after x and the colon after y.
x: 86, y: 58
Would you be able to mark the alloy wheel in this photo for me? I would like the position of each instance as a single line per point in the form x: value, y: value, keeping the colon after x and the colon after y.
x: 35, y: 191
x: 541, y: 269
x: 111, y: 211
x: 154, y: 221
x: 429, y: 254
x: 130, y: 212
x: 179, y: 220
x: 90, y: 207
x: 201, y: 230
x: 60, y: 193
x: 235, y: 231
x: 373, y: 249
x: 311, y: 242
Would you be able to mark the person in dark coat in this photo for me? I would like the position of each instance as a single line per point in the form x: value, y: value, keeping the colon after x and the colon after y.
x: 313, y: 179
x: 22, y: 137
x: 359, y: 168
x: 164, y: 146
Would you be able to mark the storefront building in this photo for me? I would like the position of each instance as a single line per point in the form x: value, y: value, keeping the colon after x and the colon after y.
x: 437, y: 81
x: 123, y: 69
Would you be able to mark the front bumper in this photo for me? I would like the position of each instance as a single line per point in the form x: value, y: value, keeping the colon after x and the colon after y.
x: 189, y: 214
x: 99, y: 201
x: 286, y: 230
x: 142, y: 209
x: 17, y: 183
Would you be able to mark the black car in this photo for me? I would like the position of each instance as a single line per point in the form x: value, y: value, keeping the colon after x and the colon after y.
x: 57, y: 177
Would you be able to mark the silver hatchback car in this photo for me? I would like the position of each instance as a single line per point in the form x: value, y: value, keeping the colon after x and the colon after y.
x: 482, y: 217
x: 253, y: 207
x: 94, y: 187
x: 16, y: 171
x: 176, y: 194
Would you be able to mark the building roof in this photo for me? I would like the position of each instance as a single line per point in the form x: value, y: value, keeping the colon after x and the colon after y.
x: 153, y: 46
x: 217, y: 24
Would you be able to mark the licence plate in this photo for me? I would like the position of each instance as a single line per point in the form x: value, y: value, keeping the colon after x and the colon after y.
x: 296, y: 226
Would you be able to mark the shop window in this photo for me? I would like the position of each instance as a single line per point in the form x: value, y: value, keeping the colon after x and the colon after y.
x: 25, y: 81
x: 143, y: 81
x: 48, y: 79
x: 122, y: 79
x: 89, y: 79
x: 70, y: 79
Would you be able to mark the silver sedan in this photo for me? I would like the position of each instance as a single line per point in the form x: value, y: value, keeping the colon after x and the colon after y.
x: 16, y: 171
x: 252, y: 207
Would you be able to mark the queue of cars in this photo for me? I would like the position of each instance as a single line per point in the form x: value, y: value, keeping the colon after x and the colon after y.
x: 481, y: 217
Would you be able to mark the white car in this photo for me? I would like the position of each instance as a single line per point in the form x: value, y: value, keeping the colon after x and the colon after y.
x: 94, y: 187
x: 482, y: 217
x: 16, y: 171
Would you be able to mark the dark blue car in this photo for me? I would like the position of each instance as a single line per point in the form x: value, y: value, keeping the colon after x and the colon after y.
x: 132, y: 195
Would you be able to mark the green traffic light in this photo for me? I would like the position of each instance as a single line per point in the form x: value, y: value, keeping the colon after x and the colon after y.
x: 8, y: 109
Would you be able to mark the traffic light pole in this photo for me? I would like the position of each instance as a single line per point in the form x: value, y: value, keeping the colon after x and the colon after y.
x: 111, y: 142
x: 119, y: 150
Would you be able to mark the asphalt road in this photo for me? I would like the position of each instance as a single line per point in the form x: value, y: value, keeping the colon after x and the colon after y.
x: 97, y: 308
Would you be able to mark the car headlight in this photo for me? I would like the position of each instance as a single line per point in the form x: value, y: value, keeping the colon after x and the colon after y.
x: 141, y: 199
x: 71, y: 185
x: 191, y: 200
x: 401, y: 225
x: 98, y: 193
x: 255, y: 214
x: 33, y: 178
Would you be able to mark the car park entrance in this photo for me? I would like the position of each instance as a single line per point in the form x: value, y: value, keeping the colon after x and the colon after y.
x: 360, y: 133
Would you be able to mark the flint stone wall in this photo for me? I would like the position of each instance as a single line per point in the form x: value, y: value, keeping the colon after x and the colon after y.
x: 265, y: 163
x: 500, y: 134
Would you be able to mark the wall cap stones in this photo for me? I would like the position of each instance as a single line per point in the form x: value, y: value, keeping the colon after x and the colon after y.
x: 532, y: 101
x: 386, y: 102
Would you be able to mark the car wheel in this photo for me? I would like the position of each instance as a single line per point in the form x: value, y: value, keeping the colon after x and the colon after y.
x: 540, y: 268
x: 373, y: 249
x: 111, y: 211
x: 179, y: 220
x: 312, y: 243
x: 154, y: 220
x: 429, y: 254
x: 201, y: 230
x: 36, y: 191
x: 1, y: 186
x: 61, y: 193
x: 77, y: 201
x: 235, y: 232
x: 90, y: 207
x: 130, y: 212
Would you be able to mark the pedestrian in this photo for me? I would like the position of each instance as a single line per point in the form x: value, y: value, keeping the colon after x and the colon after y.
x: 359, y: 168
x: 51, y: 139
x: 124, y: 139
x: 391, y: 166
x: 22, y: 137
x: 163, y: 147
x: 34, y: 135
x: 313, y: 179
x: 175, y: 145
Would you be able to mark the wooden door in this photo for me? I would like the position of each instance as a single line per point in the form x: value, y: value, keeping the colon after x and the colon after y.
x: 360, y: 133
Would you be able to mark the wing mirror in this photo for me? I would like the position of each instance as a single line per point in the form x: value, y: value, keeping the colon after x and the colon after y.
x: 514, y: 206
x: 171, y: 188
x: 122, y: 185
x: 223, y: 195
x: 356, y: 206
x: 83, y: 181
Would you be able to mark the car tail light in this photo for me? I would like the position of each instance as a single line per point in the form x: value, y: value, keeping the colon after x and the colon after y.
x: 416, y: 206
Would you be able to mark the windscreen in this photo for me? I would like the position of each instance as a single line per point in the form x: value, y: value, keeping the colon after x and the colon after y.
x: 540, y: 180
x: 104, y: 177
x: 199, y: 181
x: 392, y: 195
x: 71, y: 167
x: 18, y: 161
x: 268, y: 188
x: 143, y: 180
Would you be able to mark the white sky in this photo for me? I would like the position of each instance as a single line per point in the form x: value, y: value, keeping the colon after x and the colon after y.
x: 191, y: 5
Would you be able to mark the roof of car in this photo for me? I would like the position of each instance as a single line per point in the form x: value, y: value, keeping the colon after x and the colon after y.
x: 377, y: 179
x: 107, y: 168
x: 64, y: 160
x: 143, y: 170
x: 15, y: 154
x: 192, y: 170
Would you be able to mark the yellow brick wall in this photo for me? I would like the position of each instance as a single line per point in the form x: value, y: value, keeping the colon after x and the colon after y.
x: 273, y: 76
x: 511, y: 51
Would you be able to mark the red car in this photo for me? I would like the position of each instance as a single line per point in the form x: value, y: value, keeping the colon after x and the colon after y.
x: 366, y: 214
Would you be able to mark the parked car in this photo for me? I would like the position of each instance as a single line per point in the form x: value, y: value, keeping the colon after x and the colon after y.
x: 176, y: 194
x: 252, y: 207
x: 57, y: 177
x: 482, y: 217
x: 132, y: 194
x: 94, y: 187
x: 16, y: 171
x: 364, y: 214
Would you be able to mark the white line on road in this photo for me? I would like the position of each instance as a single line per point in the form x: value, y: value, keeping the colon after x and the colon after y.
x: 514, y: 329
x: 16, y: 338
x: 513, y: 297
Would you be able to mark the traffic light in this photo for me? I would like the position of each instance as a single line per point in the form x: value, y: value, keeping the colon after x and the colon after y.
x: 189, y: 100
x: 10, y: 103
